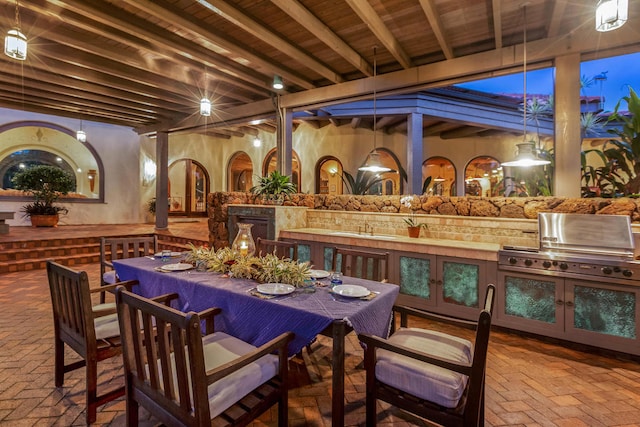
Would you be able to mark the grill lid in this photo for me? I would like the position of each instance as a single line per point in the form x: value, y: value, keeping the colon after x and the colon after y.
x: 584, y: 233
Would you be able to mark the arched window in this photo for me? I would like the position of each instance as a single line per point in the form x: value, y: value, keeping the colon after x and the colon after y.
x: 240, y: 172
x: 188, y: 188
x: 391, y: 182
x: 31, y: 143
x: 271, y: 163
x: 443, y: 176
x: 329, y: 176
x: 483, y: 177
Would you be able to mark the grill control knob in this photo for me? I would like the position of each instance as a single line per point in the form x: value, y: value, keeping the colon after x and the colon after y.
x: 563, y: 266
x: 513, y: 260
x: 627, y: 273
x: 528, y: 262
x: 607, y: 270
x: 546, y: 264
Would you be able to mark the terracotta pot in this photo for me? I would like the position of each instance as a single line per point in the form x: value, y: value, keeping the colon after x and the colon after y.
x: 44, y: 220
x: 414, y: 231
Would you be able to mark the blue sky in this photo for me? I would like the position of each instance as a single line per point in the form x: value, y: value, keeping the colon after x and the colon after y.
x: 622, y: 72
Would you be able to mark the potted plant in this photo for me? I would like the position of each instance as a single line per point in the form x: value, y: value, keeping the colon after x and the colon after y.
x: 274, y: 187
x: 413, y: 226
x: 46, y: 184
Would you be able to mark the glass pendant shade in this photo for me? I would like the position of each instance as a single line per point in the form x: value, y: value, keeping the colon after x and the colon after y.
x: 15, y: 44
x: 205, y: 107
x: 611, y: 14
x: 81, y: 136
x: 243, y: 243
x: 277, y: 83
x: 373, y: 164
x: 526, y: 156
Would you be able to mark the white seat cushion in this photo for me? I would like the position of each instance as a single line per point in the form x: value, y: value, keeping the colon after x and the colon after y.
x: 424, y: 380
x: 110, y: 277
x: 107, y: 326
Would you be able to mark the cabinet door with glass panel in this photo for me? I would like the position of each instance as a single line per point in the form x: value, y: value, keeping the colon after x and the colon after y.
x: 460, y: 285
x: 601, y: 313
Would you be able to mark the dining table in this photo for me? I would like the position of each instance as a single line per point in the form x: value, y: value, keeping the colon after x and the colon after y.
x: 257, y: 317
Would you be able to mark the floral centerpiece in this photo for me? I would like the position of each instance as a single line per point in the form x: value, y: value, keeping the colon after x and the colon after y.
x: 413, y: 225
x: 264, y: 269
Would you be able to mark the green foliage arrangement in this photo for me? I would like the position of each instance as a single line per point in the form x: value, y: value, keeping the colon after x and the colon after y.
x: 46, y: 184
x: 274, y: 187
x: 362, y: 182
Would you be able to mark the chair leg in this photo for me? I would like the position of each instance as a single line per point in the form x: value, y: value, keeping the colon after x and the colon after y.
x: 132, y: 410
x: 59, y: 362
x: 92, y: 391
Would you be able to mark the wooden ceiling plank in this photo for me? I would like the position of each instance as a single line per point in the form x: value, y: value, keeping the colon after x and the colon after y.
x: 369, y: 16
x: 496, y: 8
x: 312, y: 24
x: 436, y: 26
x: 556, y: 18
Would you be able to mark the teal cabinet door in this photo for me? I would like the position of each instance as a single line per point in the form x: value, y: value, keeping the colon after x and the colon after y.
x: 415, y: 276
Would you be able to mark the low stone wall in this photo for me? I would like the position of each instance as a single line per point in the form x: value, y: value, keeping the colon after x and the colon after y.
x: 497, y: 207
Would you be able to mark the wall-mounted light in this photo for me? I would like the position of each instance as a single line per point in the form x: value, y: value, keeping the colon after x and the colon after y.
x: 149, y: 171
x: 205, y: 107
x: 611, y: 14
x: 277, y: 83
x: 257, y: 142
x: 15, y: 43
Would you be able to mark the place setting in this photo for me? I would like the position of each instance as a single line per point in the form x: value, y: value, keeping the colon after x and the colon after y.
x: 347, y: 292
x: 175, y: 267
x: 272, y: 290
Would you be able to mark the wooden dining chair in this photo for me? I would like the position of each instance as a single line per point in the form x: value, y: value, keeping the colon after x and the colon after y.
x: 437, y: 376
x: 281, y: 248
x: 185, y: 378
x: 112, y: 248
x: 92, y: 333
x: 360, y: 263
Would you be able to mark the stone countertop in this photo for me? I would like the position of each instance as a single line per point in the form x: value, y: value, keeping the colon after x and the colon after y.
x: 423, y: 245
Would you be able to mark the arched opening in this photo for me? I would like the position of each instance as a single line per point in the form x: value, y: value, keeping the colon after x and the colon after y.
x: 483, y: 177
x: 391, y: 182
x: 188, y: 188
x: 443, y: 177
x: 329, y: 176
x: 240, y: 172
x: 271, y: 163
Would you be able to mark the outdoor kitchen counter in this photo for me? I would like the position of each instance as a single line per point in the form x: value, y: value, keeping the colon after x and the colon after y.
x: 423, y: 245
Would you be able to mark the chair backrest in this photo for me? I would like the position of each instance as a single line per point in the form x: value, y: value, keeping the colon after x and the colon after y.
x: 280, y: 248
x: 72, y: 313
x: 164, y: 360
x: 125, y: 247
x: 363, y: 264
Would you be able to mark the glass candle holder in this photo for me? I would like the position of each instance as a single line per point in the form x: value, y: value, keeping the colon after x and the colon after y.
x: 243, y: 243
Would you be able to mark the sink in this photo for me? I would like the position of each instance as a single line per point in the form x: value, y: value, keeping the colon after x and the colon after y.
x: 354, y: 234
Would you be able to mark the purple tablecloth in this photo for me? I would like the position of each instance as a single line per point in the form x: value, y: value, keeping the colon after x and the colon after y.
x: 256, y: 320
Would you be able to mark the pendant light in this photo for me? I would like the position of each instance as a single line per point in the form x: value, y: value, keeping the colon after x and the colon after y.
x: 15, y: 43
x: 277, y: 83
x: 527, y: 151
x: 611, y: 14
x: 373, y: 160
x: 205, y: 107
x: 81, y: 135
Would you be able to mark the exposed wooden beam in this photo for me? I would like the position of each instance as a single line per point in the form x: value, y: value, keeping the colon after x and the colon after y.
x: 496, y: 8
x: 429, y: 9
x: 369, y: 16
x: 461, y: 132
x: 556, y: 18
x: 308, y: 20
x: 253, y: 27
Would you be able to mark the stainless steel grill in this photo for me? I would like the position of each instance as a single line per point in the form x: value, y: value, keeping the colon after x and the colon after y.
x: 581, y: 246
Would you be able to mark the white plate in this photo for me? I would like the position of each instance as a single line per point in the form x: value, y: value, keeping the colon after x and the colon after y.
x: 173, y: 254
x: 319, y: 274
x: 181, y: 266
x: 353, y: 291
x: 275, y: 288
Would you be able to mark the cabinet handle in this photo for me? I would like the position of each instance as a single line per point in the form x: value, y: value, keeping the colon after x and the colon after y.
x: 559, y: 302
x: 439, y: 282
x: 569, y: 304
x: 432, y: 281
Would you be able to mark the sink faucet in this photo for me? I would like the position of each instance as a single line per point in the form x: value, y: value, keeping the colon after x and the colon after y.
x: 370, y: 227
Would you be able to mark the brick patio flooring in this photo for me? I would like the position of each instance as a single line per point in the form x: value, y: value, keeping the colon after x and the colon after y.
x: 529, y: 382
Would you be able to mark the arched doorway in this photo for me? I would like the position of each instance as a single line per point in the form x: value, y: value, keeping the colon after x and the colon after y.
x: 443, y: 176
x: 329, y: 176
x: 483, y: 177
x: 188, y: 188
x: 271, y: 163
x: 240, y: 172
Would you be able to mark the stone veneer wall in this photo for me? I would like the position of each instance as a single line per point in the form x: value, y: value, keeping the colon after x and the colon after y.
x: 494, y: 207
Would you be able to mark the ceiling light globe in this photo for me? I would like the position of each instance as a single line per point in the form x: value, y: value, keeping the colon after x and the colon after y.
x: 611, y: 14
x: 15, y: 45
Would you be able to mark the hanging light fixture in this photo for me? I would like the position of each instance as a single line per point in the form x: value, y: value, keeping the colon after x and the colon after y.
x: 277, y: 83
x: 373, y: 160
x: 611, y: 14
x: 527, y: 151
x: 15, y: 43
x: 81, y: 135
x: 205, y: 107
x: 440, y: 178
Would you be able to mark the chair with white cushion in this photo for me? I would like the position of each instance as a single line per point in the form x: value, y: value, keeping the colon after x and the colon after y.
x: 112, y: 248
x: 91, y: 331
x: 434, y: 375
x: 185, y: 378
